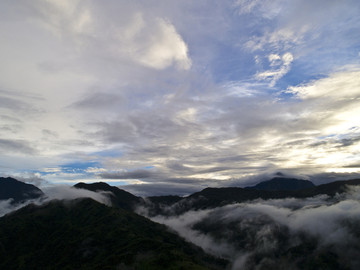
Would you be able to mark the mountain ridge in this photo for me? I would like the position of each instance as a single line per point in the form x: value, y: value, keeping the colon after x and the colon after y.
x: 275, y: 188
x: 283, y: 183
x: 18, y: 191
x: 119, y: 198
x: 215, y: 197
x: 85, y: 234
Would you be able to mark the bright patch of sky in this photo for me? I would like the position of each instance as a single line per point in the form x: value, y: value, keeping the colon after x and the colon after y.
x: 178, y: 95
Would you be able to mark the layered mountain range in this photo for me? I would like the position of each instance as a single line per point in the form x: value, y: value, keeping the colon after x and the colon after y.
x: 85, y: 234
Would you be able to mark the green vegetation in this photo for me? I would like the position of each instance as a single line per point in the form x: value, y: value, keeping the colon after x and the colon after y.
x: 84, y: 234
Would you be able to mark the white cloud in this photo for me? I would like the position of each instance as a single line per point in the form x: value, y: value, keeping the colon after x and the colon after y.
x: 280, y: 66
x: 279, y: 40
x: 65, y: 192
x: 246, y: 6
x: 336, y: 97
x: 6, y: 207
x: 287, y: 58
x: 74, y: 48
x: 164, y: 48
x: 240, y: 130
x: 273, y: 59
x: 343, y: 85
x: 268, y: 227
x: 65, y: 17
x: 182, y: 225
x: 145, y: 39
x: 56, y: 192
x: 267, y: 9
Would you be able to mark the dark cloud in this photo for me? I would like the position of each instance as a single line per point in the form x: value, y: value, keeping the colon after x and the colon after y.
x: 179, y: 167
x: 10, y: 124
x: 215, y: 169
x: 323, y: 178
x: 100, y: 101
x: 252, y: 180
x: 11, y: 128
x: 162, y: 189
x: 200, y: 182
x: 17, y: 146
x: 10, y: 118
x: 349, y: 141
x: 159, y: 182
x: 15, y: 104
x: 320, y: 143
x: 116, y: 132
x: 236, y: 158
x: 338, y: 142
x: 136, y: 174
x: 48, y: 133
x: 23, y: 94
x: 353, y: 165
x: 156, y: 126
x: 171, y: 186
x: 156, y: 183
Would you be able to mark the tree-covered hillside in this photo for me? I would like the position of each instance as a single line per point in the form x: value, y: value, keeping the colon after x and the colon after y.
x: 84, y: 234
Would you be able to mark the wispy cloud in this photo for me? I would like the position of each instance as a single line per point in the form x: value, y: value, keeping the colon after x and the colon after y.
x: 278, y: 70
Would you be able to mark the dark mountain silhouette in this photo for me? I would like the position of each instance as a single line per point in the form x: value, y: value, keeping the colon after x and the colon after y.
x: 276, y: 188
x: 329, y: 189
x: 119, y: 198
x: 164, y: 199
x: 215, y: 197
x: 84, y: 234
x: 11, y: 188
x: 281, y: 183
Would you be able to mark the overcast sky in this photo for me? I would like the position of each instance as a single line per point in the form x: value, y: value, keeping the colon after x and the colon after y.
x: 173, y: 96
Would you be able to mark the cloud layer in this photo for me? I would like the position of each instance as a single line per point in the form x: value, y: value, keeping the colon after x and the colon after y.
x: 266, y: 234
x: 185, y: 93
x: 55, y: 192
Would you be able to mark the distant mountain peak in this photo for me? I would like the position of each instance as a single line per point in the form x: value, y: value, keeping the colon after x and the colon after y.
x: 10, y: 188
x: 94, y: 186
x: 120, y: 198
x: 283, y: 183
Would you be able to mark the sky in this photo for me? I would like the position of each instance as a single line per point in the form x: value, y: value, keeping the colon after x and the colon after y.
x: 169, y: 97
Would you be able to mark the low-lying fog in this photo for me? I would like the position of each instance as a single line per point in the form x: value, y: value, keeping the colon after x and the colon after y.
x: 279, y: 233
